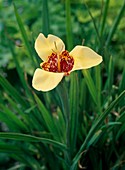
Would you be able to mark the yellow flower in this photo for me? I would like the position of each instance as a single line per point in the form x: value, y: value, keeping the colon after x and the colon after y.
x: 57, y: 62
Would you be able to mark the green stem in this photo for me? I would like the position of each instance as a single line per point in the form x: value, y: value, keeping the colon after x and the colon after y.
x: 74, y: 103
x: 98, y: 87
x: 68, y: 25
x: 45, y: 18
x: 64, y: 98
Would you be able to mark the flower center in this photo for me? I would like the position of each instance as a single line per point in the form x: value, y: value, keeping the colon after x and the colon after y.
x: 59, y: 63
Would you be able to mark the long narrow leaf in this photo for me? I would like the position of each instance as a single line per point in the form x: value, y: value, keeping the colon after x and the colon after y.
x: 11, y: 90
x: 8, y: 148
x: 48, y: 119
x: 24, y: 35
x: 90, y: 84
x: 95, y: 128
x: 68, y: 25
x: 115, y: 24
x: 13, y: 118
x: 98, y: 86
x: 74, y: 98
x: 104, y: 16
x: 30, y: 138
x: 122, y: 82
x: 93, y: 20
x: 45, y: 17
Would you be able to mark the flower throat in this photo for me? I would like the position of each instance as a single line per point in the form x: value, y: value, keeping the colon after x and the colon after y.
x: 62, y: 62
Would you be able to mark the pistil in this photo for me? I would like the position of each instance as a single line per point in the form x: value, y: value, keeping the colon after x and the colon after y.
x: 58, y: 63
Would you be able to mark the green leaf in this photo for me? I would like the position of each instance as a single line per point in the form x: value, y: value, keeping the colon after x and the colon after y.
x: 13, y: 118
x: 17, y: 108
x: 11, y: 90
x: 98, y: 86
x: 30, y: 138
x: 74, y: 99
x: 20, y: 72
x: 47, y: 117
x: 69, y: 36
x: 60, y: 125
x: 24, y: 35
x: 45, y: 18
x: 115, y: 24
x: 110, y: 73
x: 9, y: 148
x: 93, y: 20
x: 122, y: 82
x: 95, y: 128
x: 90, y: 84
x: 104, y: 16
x: 121, y: 129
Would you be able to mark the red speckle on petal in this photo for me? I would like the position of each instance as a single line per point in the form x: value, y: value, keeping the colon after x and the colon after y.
x: 59, y: 63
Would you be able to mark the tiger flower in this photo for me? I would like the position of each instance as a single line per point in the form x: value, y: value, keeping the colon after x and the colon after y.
x: 58, y: 62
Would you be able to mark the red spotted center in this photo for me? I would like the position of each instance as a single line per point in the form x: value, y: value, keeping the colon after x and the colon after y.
x: 59, y: 63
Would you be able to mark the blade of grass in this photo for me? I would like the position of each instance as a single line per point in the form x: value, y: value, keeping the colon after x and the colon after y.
x: 121, y: 129
x: 22, y: 102
x: 24, y: 35
x: 98, y: 82
x: 60, y: 125
x: 82, y: 98
x: 122, y: 82
x: 11, y: 90
x: 64, y: 100
x: 18, y: 110
x: 8, y: 148
x: 95, y: 128
x: 13, y: 118
x: 20, y: 71
x: 69, y: 37
x: 45, y: 18
x: 110, y: 74
x: 74, y: 98
x: 31, y: 101
x: 90, y: 84
x: 30, y: 138
x: 115, y: 24
x: 28, y: 160
x: 48, y: 119
x: 93, y: 20
x: 4, y: 118
x: 103, y: 130
x: 104, y: 16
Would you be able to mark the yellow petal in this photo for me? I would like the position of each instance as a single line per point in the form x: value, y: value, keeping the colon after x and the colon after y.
x: 45, y: 46
x: 45, y: 81
x: 84, y: 58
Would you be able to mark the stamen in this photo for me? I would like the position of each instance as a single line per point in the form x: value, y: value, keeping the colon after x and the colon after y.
x: 62, y: 62
x: 59, y: 68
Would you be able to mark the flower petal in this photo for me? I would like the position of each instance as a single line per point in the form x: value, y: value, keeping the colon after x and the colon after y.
x: 45, y: 81
x: 45, y: 46
x: 84, y: 58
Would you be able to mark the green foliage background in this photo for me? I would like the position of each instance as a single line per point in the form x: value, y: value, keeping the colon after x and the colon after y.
x: 79, y: 124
